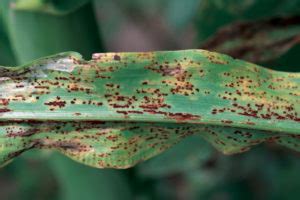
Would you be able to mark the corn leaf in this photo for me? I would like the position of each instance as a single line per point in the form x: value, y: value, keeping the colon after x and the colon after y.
x: 121, y: 108
x: 257, y: 41
x: 214, y: 14
x: 6, y: 52
x: 49, y: 6
x: 45, y: 34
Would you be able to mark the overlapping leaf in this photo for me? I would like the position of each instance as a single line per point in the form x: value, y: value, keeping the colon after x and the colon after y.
x: 257, y: 41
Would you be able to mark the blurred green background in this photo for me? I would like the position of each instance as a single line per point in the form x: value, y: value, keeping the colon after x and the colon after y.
x: 269, y: 35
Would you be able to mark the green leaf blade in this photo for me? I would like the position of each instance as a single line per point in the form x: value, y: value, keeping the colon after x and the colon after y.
x: 143, y: 103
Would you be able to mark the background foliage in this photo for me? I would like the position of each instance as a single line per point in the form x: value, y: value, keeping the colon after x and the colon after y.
x: 190, y: 170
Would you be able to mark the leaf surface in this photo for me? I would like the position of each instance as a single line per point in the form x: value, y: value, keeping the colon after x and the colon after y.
x: 257, y: 41
x: 121, y: 108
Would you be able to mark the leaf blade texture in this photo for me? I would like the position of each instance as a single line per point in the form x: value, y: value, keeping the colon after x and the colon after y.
x: 121, y: 108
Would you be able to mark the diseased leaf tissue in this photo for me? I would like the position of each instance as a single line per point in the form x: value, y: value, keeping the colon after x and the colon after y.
x: 121, y: 108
